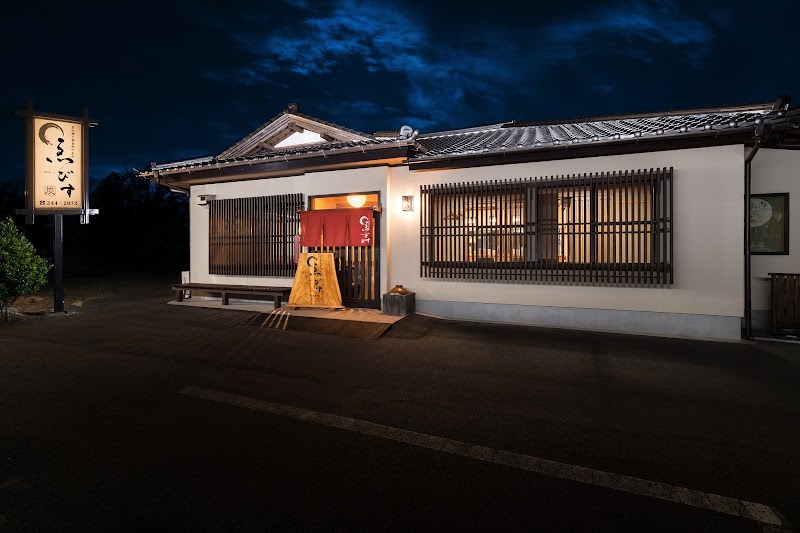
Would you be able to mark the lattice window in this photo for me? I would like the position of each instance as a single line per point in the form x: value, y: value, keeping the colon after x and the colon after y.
x: 604, y: 228
x: 254, y: 236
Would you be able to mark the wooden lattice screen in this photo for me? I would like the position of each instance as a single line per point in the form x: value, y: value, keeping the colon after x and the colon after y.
x: 613, y: 227
x: 254, y: 236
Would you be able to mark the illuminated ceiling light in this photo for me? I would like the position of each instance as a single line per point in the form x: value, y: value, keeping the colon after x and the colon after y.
x: 356, y: 200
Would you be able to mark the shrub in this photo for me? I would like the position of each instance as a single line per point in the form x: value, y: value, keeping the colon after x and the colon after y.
x: 22, y: 271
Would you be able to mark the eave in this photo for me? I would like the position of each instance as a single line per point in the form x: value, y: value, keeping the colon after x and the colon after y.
x: 251, y: 169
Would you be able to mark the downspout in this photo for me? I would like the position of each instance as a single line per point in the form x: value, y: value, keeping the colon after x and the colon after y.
x: 748, y: 334
x: 762, y: 130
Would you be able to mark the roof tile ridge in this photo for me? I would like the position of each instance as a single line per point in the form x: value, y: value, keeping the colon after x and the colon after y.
x: 318, y: 147
x: 474, y: 129
x: 758, y: 107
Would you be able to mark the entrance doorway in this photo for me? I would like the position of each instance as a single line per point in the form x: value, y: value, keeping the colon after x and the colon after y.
x: 357, y: 267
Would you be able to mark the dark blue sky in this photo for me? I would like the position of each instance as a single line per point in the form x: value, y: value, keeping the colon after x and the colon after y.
x: 170, y: 80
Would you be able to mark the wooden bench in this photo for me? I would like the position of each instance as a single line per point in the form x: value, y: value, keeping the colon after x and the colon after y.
x: 277, y: 293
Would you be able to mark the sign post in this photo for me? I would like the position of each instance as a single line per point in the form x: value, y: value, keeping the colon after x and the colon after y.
x: 56, y: 178
x: 58, y: 259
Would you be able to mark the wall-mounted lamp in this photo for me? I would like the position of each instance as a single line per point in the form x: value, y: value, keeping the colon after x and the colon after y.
x: 203, y: 199
x: 408, y: 203
x: 356, y: 200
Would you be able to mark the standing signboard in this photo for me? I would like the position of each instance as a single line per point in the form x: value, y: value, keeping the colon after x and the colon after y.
x: 315, y: 283
x: 58, y: 164
x: 56, y: 177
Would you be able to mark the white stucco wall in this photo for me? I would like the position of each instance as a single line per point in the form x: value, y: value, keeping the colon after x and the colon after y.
x: 373, y: 179
x: 706, y: 299
x: 776, y: 171
x: 708, y: 237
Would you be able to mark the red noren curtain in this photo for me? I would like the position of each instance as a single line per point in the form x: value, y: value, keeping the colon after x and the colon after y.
x: 336, y: 227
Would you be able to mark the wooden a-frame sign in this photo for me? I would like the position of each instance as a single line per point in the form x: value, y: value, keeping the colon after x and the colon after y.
x: 315, y: 283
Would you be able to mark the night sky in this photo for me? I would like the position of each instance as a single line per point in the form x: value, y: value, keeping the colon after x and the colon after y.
x: 170, y: 80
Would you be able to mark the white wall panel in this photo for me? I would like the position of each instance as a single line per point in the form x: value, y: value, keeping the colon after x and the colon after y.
x: 776, y: 171
x: 708, y: 236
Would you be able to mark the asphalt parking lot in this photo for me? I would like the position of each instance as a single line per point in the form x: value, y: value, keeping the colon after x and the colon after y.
x: 134, y: 413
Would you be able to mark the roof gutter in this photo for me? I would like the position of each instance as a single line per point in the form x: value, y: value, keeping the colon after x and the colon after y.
x: 748, y: 324
x: 761, y: 130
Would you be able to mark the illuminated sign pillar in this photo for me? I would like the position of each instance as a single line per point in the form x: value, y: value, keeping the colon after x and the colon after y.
x: 56, y: 177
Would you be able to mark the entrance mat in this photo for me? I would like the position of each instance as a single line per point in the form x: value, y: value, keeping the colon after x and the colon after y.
x: 328, y: 326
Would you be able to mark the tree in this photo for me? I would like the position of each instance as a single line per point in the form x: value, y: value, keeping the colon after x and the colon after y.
x: 141, y: 226
x: 10, y: 198
x: 22, y: 271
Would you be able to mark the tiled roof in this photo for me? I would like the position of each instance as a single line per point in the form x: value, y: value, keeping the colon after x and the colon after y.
x: 283, y: 125
x: 266, y: 153
x: 526, y: 136
x: 509, y: 137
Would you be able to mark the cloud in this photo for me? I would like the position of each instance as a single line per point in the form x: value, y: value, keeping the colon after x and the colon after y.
x: 635, y: 31
x: 299, y: 4
x: 365, y: 108
x: 603, y: 88
x: 379, y: 52
x: 350, y: 37
x: 378, y: 36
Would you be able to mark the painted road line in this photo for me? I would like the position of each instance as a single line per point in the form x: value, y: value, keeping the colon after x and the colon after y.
x: 712, y: 502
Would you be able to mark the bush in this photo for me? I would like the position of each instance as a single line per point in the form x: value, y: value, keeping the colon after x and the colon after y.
x: 22, y: 271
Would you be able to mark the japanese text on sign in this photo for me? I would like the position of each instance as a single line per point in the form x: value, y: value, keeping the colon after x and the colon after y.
x: 58, y: 164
